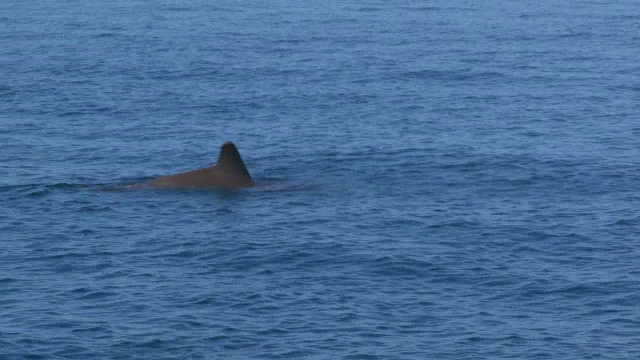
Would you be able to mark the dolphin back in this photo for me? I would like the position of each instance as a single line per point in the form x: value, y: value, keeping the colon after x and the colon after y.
x: 228, y: 172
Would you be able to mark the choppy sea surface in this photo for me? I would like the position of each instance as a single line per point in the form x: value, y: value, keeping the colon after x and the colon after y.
x: 436, y: 180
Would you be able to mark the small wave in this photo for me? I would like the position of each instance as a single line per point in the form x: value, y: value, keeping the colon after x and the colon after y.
x: 400, y: 266
x: 105, y: 35
x: 455, y: 75
x: 369, y: 9
x: 224, y: 211
x: 43, y: 190
x: 581, y: 34
x: 278, y: 186
x: 96, y: 295
x: 625, y: 222
x: 454, y: 224
x: 94, y: 208
x: 178, y: 8
x: 38, y: 193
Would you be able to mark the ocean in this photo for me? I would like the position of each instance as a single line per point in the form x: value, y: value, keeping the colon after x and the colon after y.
x: 435, y: 180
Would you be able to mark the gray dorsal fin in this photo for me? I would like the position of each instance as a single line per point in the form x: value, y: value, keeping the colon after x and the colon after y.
x: 230, y: 161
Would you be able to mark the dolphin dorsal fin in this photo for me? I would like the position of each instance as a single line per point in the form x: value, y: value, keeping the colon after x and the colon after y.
x: 230, y: 161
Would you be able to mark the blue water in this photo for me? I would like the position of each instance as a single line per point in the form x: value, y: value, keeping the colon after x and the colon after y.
x: 436, y: 180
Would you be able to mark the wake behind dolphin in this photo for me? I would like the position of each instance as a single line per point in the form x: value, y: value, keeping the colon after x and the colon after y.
x: 229, y: 172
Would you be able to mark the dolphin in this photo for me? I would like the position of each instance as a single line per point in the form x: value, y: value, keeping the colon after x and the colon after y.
x: 228, y: 172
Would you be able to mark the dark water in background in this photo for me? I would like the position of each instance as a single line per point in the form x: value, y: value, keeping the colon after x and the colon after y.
x: 438, y: 180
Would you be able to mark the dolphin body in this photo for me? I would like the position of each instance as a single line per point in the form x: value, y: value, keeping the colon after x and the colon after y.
x: 228, y: 172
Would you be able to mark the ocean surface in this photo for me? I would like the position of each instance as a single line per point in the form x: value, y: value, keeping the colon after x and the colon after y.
x: 436, y: 180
